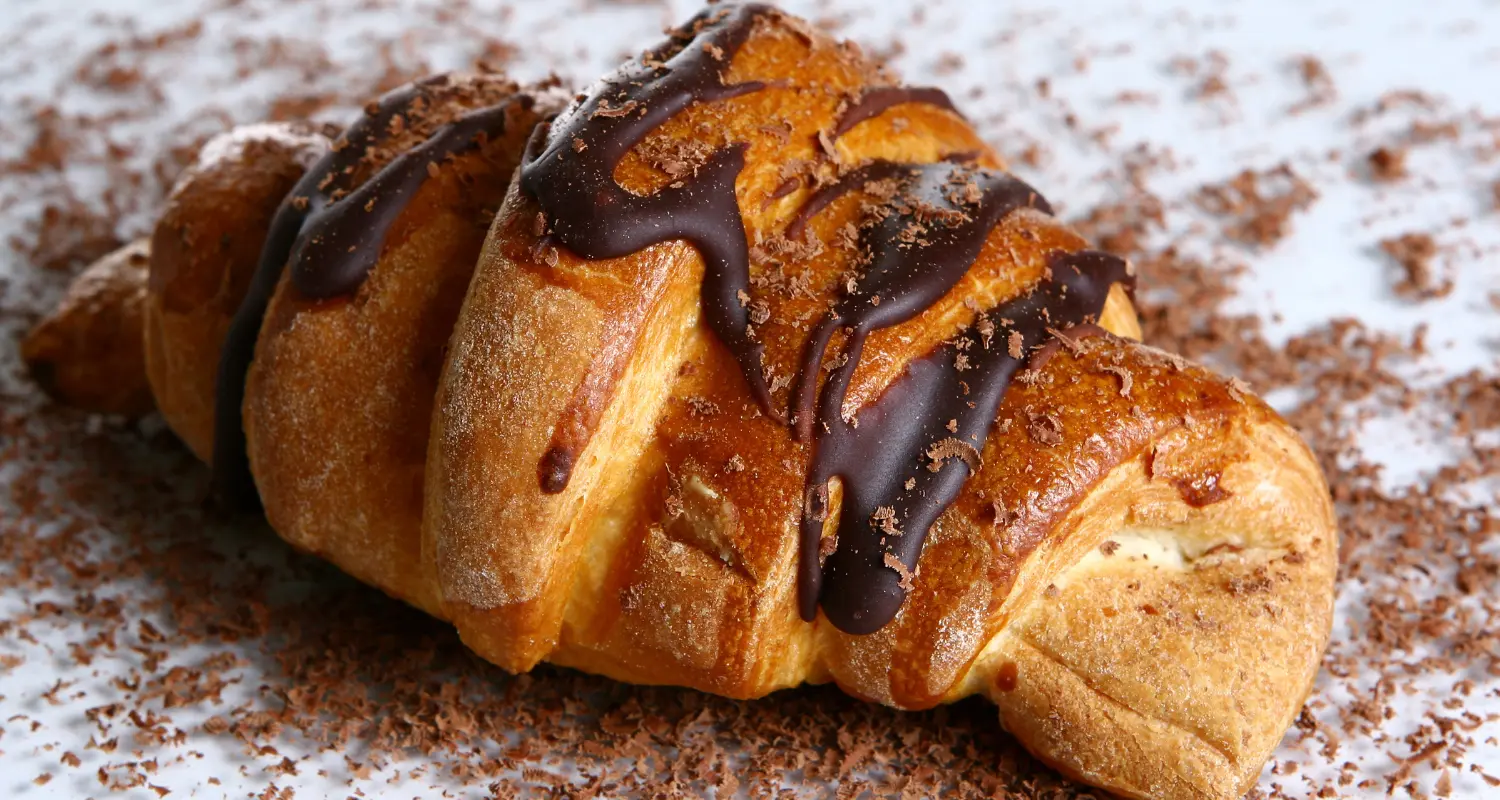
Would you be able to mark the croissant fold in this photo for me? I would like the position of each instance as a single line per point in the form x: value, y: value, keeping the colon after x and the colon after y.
x: 745, y: 368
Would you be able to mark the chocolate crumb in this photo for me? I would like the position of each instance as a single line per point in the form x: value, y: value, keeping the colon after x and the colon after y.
x: 906, y: 576
x: 1415, y: 253
x: 1388, y: 164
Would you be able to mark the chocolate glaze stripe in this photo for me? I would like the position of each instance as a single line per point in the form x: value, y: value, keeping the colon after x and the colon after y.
x: 569, y: 170
x: 905, y: 432
x: 341, y: 241
x: 912, y: 265
x: 919, y: 253
x: 905, y: 278
x: 331, y: 246
x: 854, y: 179
x: 874, y: 102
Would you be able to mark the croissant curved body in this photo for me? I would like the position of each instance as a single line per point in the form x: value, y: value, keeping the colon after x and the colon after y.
x: 607, y: 414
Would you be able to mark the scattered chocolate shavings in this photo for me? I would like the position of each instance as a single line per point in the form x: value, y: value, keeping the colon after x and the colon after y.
x: 1387, y: 164
x: 949, y: 448
x: 827, y: 546
x: 1415, y: 253
x: 1237, y: 389
x: 825, y: 142
x: 702, y: 406
x: 986, y: 329
x: 1016, y: 344
x: 884, y: 519
x: 1072, y: 345
x: 906, y: 575
x: 1126, y: 380
x: 1045, y: 428
x: 1258, y: 206
x: 760, y: 311
x: 1319, y: 84
x: 604, y: 109
x: 342, y: 665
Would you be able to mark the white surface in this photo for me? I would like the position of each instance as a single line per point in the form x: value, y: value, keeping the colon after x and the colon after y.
x: 1327, y: 269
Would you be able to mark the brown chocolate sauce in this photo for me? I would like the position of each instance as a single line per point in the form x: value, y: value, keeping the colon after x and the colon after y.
x: 341, y: 240
x: 874, y: 102
x: 569, y: 170
x: 918, y: 252
x: 905, y: 277
x: 331, y: 237
x: 555, y: 468
x: 851, y: 181
x: 904, y: 435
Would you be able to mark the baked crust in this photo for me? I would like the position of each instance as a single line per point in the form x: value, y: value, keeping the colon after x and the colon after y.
x: 670, y: 556
x: 339, y: 396
x: 88, y: 353
x: 204, y: 250
x: 1140, y: 574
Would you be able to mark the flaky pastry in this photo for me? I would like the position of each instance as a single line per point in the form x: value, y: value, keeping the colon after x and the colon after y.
x: 747, y: 367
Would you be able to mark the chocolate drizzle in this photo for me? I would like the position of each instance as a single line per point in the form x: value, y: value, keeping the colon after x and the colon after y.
x: 851, y: 181
x: 874, y: 102
x: 924, y: 242
x: 341, y: 240
x: 332, y: 237
x: 905, y: 437
x: 912, y: 263
x: 569, y: 170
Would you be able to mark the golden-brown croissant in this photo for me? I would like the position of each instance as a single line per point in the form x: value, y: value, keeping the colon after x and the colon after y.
x: 765, y: 372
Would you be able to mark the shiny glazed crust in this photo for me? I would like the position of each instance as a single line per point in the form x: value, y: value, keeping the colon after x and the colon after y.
x: 670, y: 556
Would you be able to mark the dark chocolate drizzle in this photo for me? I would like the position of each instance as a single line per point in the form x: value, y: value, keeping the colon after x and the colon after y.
x: 569, y: 170
x: 341, y: 240
x: 874, y: 102
x: 919, y: 250
x: 905, y: 278
x: 852, y: 180
x: 908, y: 273
x: 331, y: 237
x: 897, y: 437
x: 553, y: 471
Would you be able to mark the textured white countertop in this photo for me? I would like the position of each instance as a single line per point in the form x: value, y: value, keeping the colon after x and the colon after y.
x: 1329, y: 267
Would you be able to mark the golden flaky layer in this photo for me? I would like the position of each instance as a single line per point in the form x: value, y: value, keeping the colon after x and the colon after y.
x: 1167, y: 669
x: 1139, y: 576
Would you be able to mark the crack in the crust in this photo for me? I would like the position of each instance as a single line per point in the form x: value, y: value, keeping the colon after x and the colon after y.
x: 728, y: 557
x: 1054, y: 658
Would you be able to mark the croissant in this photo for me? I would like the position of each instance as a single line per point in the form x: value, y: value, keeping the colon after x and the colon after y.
x: 745, y: 368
